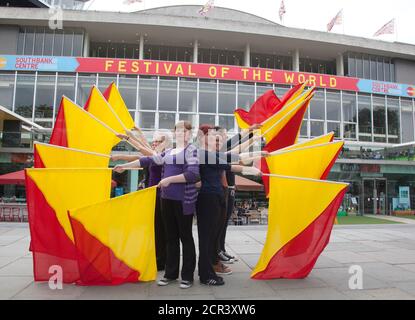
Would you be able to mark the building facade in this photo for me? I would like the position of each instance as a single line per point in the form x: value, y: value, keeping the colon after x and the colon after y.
x: 171, y: 64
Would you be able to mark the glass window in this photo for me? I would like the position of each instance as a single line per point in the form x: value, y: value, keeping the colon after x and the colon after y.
x: 373, y: 68
x: 407, y: 121
x: 349, y: 107
x: 359, y: 66
x: 147, y: 99
x: 47, y: 50
x: 105, y: 80
x: 334, y: 127
x: 29, y: 41
x: 379, y: 118
x: 24, y: 95
x: 6, y: 90
x: 146, y: 120
x: 261, y: 89
x: 207, y: 97
x: 20, y: 42
x: 128, y: 90
x: 85, y: 84
x: 167, y: 120
x: 381, y: 74
x: 317, y: 106
x: 78, y: 45
x: 352, y: 65
x: 393, y: 120
x: 227, y: 98
x: 45, y: 93
x: 386, y: 66
x: 317, y: 128
x: 39, y: 36
x: 58, y: 43
x: 281, y: 90
x: 366, y: 67
x: 66, y: 87
x: 168, y: 95
x: 365, y: 117
x: 188, y: 95
x: 206, y: 119
x: 333, y: 105
x: 304, y: 130
x: 227, y: 122
x: 246, y: 96
x: 349, y: 131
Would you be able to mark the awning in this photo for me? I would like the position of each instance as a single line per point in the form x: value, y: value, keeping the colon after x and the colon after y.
x: 244, y: 184
x: 18, y: 178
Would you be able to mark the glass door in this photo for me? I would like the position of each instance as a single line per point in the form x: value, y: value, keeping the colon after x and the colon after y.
x: 374, y: 196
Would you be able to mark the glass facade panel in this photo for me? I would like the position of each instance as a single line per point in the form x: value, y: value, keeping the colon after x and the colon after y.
x: 7, y: 90
x: 349, y: 131
x: 67, y: 44
x: 85, y: 84
x: 379, y: 118
x: 188, y: 95
x: 29, y: 41
x: 58, y: 43
x: 66, y: 87
x: 394, y: 135
x: 147, y: 99
x: 48, y: 48
x: 349, y: 107
x: 188, y: 117
x: 45, y: 93
x: 24, y: 95
x: 261, y: 89
x: 168, y: 95
x: 167, y: 120
x: 146, y: 120
x: 317, y: 106
x: 304, y: 129
x: 39, y: 39
x: 227, y: 98
x: 104, y: 80
x: 128, y: 90
x: 317, y: 128
x: 206, y: 119
x: 246, y: 96
x: 207, y: 97
x: 335, y: 127
x: 333, y: 105
x: 370, y: 67
x: 407, y: 121
x: 365, y: 117
x: 216, y: 56
x: 227, y: 122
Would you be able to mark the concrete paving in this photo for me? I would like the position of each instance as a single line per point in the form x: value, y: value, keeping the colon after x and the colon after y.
x: 385, y: 254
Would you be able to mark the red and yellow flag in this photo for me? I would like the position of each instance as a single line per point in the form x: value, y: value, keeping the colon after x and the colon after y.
x: 50, y: 194
x: 50, y: 156
x: 299, y: 226
x: 115, y: 239
x: 313, y: 161
x: 78, y: 129
x: 114, y: 98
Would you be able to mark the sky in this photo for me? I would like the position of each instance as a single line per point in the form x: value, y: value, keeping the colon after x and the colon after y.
x: 361, y: 17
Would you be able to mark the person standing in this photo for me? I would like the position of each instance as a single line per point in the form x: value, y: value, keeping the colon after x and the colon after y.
x: 178, y: 203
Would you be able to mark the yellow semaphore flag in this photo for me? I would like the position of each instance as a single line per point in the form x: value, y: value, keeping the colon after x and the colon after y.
x: 116, y: 239
x: 300, y: 218
x: 114, y: 98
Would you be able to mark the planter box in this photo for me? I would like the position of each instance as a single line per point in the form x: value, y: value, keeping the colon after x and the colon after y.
x: 403, y: 213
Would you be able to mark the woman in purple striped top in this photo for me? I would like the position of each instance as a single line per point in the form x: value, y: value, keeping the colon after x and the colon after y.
x: 178, y: 202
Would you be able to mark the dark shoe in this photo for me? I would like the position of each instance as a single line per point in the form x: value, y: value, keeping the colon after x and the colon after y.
x: 165, y: 282
x: 224, y: 259
x: 185, y: 284
x: 229, y: 256
x: 213, y: 282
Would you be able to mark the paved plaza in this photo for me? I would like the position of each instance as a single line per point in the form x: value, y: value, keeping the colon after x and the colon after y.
x: 386, y: 254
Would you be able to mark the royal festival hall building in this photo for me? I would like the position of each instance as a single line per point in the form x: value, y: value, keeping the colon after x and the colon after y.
x: 172, y: 64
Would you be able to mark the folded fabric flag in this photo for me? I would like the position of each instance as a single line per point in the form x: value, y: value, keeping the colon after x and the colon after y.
x: 115, y: 239
x: 78, y: 129
x: 114, y: 98
x: 50, y: 193
x: 300, y: 219
x: 50, y: 156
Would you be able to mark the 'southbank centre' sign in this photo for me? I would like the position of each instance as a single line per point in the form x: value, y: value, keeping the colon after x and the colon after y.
x: 198, y: 70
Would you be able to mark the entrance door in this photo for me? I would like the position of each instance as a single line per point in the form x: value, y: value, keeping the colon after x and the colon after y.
x: 374, y: 196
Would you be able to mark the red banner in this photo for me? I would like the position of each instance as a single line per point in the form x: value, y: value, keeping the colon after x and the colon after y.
x: 211, y: 71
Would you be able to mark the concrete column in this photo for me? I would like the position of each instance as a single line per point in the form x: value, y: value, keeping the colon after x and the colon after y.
x: 195, y: 51
x: 141, y: 52
x: 340, y: 65
x: 86, y: 44
x: 296, y: 60
x: 247, y: 56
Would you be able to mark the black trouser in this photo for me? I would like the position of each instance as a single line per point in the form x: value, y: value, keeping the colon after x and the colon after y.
x: 178, y: 227
x: 160, y: 234
x: 208, y: 214
x: 230, y: 205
